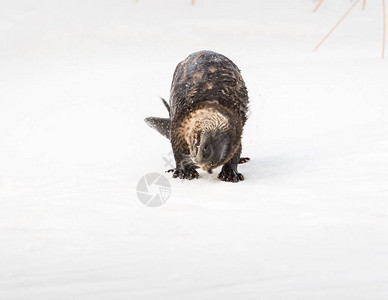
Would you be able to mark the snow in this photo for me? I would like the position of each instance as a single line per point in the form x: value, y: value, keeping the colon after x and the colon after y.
x: 310, y: 221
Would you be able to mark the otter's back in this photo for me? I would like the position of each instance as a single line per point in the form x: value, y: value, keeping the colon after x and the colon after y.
x: 207, y: 76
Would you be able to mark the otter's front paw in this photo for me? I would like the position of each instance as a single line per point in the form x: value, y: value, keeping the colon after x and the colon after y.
x: 184, y: 174
x: 230, y: 175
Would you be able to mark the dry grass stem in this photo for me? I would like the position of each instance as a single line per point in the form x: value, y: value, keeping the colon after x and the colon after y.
x: 336, y: 25
x: 318, y: 5
x: 384, y: 29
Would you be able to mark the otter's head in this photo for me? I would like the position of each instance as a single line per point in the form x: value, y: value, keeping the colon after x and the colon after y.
x: 211, y: 150
x: 211, y: 139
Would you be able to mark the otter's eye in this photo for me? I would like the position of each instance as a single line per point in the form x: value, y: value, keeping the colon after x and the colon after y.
x: 205, y: 148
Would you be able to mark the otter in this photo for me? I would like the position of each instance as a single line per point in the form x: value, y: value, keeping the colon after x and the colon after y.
x: 207, y: 112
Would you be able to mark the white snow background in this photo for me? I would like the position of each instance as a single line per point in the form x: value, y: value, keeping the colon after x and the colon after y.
x: 77, y: 79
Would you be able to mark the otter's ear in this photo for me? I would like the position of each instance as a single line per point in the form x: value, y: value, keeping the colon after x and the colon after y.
x: 162, y: 125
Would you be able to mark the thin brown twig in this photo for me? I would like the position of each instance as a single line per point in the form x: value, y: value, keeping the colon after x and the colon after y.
x: 336, y: 25
x: 318, y: 5
x: 363, y: 4
x: 192, y: 2
x: 384, y: 28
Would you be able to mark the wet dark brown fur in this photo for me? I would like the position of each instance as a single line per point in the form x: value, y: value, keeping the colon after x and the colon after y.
x: 208, y: 95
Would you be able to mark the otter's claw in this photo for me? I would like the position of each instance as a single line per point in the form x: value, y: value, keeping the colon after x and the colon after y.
x: 184, y: 174
x: 243, y: 160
